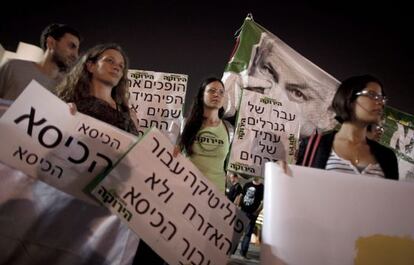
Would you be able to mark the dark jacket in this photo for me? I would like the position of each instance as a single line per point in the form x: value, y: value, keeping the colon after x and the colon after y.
x: 385, y: 156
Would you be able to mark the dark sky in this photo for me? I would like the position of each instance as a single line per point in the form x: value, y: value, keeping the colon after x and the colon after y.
x: 196, y: 38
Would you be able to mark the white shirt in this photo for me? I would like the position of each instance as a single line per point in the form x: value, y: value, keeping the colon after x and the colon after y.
x: 337, y: 163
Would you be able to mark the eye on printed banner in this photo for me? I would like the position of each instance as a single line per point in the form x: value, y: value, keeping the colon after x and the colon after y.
x: 170, y: 205
x: 263, y: 63
x: 40, y: 137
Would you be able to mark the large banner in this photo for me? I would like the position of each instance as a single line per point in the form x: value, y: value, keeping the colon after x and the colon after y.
x: 48, y: 143
x: 263, y: 63
x: 267, y: 130
x: 399, y: 135
x: 157, y: 99
x: 171, y: 205
x: 323, y: 217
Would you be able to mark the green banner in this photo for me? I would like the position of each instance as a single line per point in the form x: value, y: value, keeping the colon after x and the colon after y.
x: 399, y: 135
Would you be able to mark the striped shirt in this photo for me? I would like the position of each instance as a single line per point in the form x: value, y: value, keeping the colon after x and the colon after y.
x: 337, y: 163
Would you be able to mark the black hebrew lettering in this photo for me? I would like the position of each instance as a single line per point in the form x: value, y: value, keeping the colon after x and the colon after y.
x: 192, y: 175
x: 167, y: 161
x: 148, y: 84
x: 109, y: 198
x: 131, y: 194
x: 216, y: 237
x: 192, y: 208
x: 145, y: 205
x: 165, y: 228
x: 161, y: 85
x: 153, y: 181
x: 136, y: 83
x: 127, y: 214
x: 160, y: 222
x: 115, y: 142
x: 85, y: 149
x: 45, y: 162
x: 164, y: 186
x: 217, y: 200
x: 229, y: 248
x: 207, y: 228
x: 186, y: 247
x: 201, y: 258
x: 203, y: 189
x: 20, y: 153
x: 134, y: 108
x: 31, y: 122
x: 107, y: 160
x: 32, y: 159
x: 94, y: 133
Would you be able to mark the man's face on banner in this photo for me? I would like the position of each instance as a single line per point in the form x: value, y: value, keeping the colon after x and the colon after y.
x: 280, y: 74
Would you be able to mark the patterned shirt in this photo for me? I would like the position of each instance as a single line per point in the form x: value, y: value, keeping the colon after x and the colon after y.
x: 337, y: 163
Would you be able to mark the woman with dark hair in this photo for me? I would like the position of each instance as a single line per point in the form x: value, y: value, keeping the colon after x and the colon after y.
x: 358, y: 104
x: 97, y: 86
x: 206, y: 136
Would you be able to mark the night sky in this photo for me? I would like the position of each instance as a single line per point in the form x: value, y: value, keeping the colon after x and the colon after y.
x: 196, y: 38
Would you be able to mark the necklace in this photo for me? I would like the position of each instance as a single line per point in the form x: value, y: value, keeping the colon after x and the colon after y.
x: 356, y: 161
x: 355, y: 155
x: 353, y: 148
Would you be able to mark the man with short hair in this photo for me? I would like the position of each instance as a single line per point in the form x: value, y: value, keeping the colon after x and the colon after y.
x: 61, y: 49
x: 234, y: 190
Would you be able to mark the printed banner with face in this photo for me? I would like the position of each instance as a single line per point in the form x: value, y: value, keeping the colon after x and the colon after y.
x: 323, y: 217
x: 171, y: 205
x: 40, y: 137
x: 263, y: 63
x: 399, y: 135
x: 266, y: 130
x: 158, y: 99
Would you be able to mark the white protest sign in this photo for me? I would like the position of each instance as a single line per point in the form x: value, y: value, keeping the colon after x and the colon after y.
x: 57, y: 228
x: 157, y: 99
x: 170, y: 205
x: 267, y: 130
x: 326, y: 217
x: 40, y: 137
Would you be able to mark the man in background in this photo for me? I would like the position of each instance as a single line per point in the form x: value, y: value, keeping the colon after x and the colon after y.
x: 234, y: 190
x: 61, y: 49
x: 251, y: 203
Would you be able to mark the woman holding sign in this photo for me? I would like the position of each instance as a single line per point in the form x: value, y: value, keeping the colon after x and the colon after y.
x: 358, y: 104
x: 97, y: 86
x: 206, y: 136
